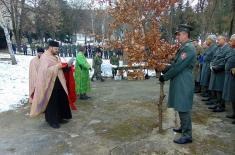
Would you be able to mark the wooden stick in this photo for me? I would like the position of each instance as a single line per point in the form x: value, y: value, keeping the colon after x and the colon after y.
x: 160, y: 109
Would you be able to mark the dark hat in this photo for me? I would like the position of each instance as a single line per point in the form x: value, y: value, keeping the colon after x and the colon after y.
x: 184, y: 28
x: 53, y: 43
x: 40, y: 50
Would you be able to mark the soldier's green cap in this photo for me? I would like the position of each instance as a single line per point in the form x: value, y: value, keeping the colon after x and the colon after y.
x: 184, y: 28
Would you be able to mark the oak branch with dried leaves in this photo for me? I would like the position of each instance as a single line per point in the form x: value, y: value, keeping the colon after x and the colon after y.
x: 136, y: 29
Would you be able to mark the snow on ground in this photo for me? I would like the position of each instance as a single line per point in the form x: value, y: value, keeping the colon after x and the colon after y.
x: 14, y: 80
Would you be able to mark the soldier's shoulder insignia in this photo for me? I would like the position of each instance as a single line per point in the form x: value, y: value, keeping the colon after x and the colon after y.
x: 183, y: 55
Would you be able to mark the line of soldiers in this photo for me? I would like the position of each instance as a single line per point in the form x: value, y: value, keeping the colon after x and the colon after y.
x: 215, y: 74
x: 69, y: 50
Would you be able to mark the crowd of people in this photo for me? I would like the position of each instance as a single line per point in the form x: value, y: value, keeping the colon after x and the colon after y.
x: 213, y: 68
x: 215, y: 78
x: 55, y: 86
x: 69, y: 50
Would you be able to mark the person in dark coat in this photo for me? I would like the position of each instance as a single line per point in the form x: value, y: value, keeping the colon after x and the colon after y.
x: 14, y: 48
x: 25, y: 49
x: 197, y: 68
x: 217, y: 73
x: 181, y: 89
x: 207, y: 57
x: 229, y: 82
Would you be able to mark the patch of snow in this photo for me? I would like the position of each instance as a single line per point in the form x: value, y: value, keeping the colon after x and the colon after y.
x: 13, y: 82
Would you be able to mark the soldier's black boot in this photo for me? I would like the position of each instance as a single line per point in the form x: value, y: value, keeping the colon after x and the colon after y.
x: 183, y: 140
x: 178, y: 130
x: 231, y: 116
x: 219, y: 108
x: 102, y: 80
x: 221, y: 103
x: 233, y: 122
x: 213, y: 107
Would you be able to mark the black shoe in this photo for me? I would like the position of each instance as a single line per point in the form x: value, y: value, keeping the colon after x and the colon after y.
x: 102, y: 80
x: 206, y: 99
x: 205, y: 95
x: 183, y: 140
x: 55, y: 125
x: 214, y: 107
x: 210, y: 103
x: 197, y: 91
x: 231, y: 116
x: 83, y: 98
x: 219, y: 109
x: 88, y: 97
x: 92, y: 80
x: 63, y: 121
x: 233, y: 122
x: 178, y: 130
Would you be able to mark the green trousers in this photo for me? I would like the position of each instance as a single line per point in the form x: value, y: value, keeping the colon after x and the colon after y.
x: 97, y: 74
x: 186, y: 123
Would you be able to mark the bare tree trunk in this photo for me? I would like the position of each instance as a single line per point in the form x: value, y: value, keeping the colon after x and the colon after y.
x: 231, y: 26
x: 160, y: 108
x: 9, y: 44
x: 232, y: 19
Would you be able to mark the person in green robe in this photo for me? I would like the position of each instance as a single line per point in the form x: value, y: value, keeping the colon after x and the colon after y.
x: 81, y: 76
x: 181, y: 89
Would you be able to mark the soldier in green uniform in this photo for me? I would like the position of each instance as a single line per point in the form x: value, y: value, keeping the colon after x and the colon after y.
x: 33, y: 48
x: 65, y: 50
x: 97, y: 61
x: 207, y: 57
x: 70, y: 50
x: 229, y: 82
x: 217, y: 73
x: 114, y: 60
x: 74, y: 47
x: 181, y: 89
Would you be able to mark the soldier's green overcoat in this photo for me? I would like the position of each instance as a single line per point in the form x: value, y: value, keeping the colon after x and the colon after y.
x: 217, y: 79
x: 181, y: 79
x: 206, y: 72
x: 229, y: 82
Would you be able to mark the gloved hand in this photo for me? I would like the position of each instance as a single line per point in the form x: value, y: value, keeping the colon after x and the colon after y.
x: 161, y: 78
x: 233, y: 71
x: 211, y: 68
x: 166, y: 69
x: 217, y: 69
